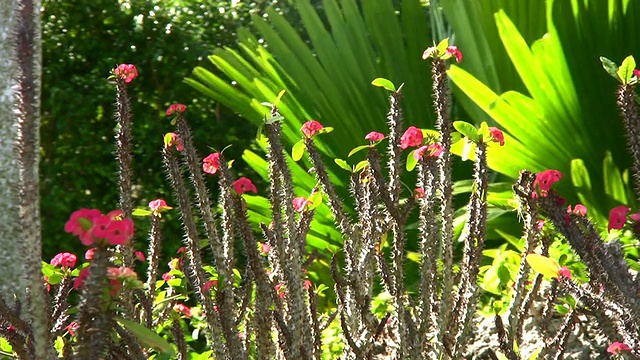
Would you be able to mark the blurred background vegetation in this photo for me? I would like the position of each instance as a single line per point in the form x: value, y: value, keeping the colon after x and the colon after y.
x: 528, y: 68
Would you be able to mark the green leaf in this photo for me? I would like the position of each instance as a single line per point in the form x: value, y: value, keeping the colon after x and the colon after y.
x: 55, y: 278
x: 625, y: 72
x: 324, y: 130
x: 536, y: 353
x: 467, y: 130
x: 543, y: 265
x: 361, y: 165
x: 411, y: 161
x: 315, y: 200
x: 610, y: 67
x: 357, y: 149
x: 147, y: 337
x: 141, y: 212
x: 275, y: 103
x: 168, y: 138
x: 483, y: 131
x: 613, y: 183
x: 468, y: 149
x: 342, y: 164
x: 384, y: 83
x: 273, y: 119
x: 442, y: 46
x: 298, y: 150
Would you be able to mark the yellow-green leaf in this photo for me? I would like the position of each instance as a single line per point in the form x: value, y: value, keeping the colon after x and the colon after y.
x: 384, y: 83
x: 298, y: 150
x: 357, y: 149
x: 275, y: 103
x: 147, y: 337
x: 343, y: 164
x: 361, y: 165
x: 543, y: 265
x: 411, y: 161
x: 625, y: 72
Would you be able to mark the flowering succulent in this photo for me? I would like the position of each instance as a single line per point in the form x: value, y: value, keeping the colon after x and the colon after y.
x: 90, y: 226
x: 544, y: 180
x: 433, y: 150
x: 182, y: 309
x: 127, y: 72
x: 617, y: 217
x: 79, y: 281
x: 454, y: 52
x: 300, y: 203
x: 418, y: 193
x: 158, y: 206
x: 496, y: 135
x: 618, y: 347
x: 171, y: 139
x: 64, y: 260
x: 411, y: 137
x: 210, y: 284
x: 243, y: 185
x: 564, y: 272
x: 374, y: 136
x: 211, y: 163
x: 310, y: 128
x: 176, y: 108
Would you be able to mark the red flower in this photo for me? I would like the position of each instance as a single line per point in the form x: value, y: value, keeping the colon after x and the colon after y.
x: 453, y: 51
x: 127, y: 72
x: 618, y: 347
x: 113, y: 229
x: 79, y: 281
x: 157, y: 206
x: 311, y: 128
x: 243, y: 185
x: 77, y: 226
x: 434, y: 150
x: 71, y: 328
x: 176, y: 108
x: 564, y: 272
x: 636, y: 73
x: 411, y: 137
x: 496, y: 135
x: 211, y: 163
x: 374, y: 136
x: 540, y: 224
x: 182, y: 309
x: 307, y: 284
x: 140, y: 256
x: 166, y: 276
x: 264, y: 248
x: 209, y: 284
x: 181, y: 250
x: 300, y: 203
x: 175, y: 140
x: 617, y: 217
x: 88, y: 255
x: 418, y: 193
x: 65, y: 260
x: 544, y: 180
x: 579, y: 210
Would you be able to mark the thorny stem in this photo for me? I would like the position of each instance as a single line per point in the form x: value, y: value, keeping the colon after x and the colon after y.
x: 442, y: 105
x: 629, y: 109
x: 153, y: 257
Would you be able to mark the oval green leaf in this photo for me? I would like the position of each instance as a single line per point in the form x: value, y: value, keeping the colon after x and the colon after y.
x: 610, y: 67
x: 625, y: 72
x: 384, y: 83
x: 543, y: 265
x: 466, y: 129
x: 361, y: 165
x: 275, y: 103
x: 315, y: 200
x: 147, y: 337
x: 343, y: 164
x: 411, y: 161
x: 442, y: 46
x: 357, y: 149
x: 325, y: 130
x: 141, y: 212
x: 298, y: 150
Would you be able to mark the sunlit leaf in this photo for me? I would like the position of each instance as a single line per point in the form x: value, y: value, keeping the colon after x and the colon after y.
x: 411, y: 161
x: 147, y: 337
x: 543, y: 265
x: 343, y: 164
x: 466, y: 129
x: 384, y: 83
x: 610, y: 67
x: 361, y: 165
x: 298, y: 150
x: 625, y: 72
x: 357, y: 149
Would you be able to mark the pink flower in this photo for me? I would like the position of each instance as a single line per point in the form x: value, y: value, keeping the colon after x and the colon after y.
x: 579, y: 210
x: 418, y: 193
x: 127, y: 72
x: 121, y: 273
x: 175, y: 140
x: 307, y: 284
x: 635, y: 217
x: 72, y: 327
x: 540, y: 224
x: 209, y: 284
x: 496, y: 135
x: 166, y: 276
x: 115, y: 230
x: 280, y: 290
x: 455, y: 52
x: 211, y: 163
x: 618, y: 347
x: 636, y: 73
x: 88, y: 255
x: 157, y: 206
x: 181, y: 249
x: 374, y: 136
x: 81, y: 221
x: 243, y: 185
x: 182, y: 309
x: 79, y: 281
x: 433, y: 150
x: 544, y: 180
x: 311, y: 128
x: 617, y: 217
x: 430, y: 52
x: 564, y: 272
x: 264, y: 248
x: 411, y: 137
x: 300, y: 203
x: 176, y: 108
x: 65, y: 260
x: 140, y: 256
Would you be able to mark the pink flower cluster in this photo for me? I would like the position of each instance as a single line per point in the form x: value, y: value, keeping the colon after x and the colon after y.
x: 451, y: 52
x: 64, y: 260
x: 127, y: 72
x: 544, y: 180
x: 374, y: 136
x: 175, y: 140
x: 243, y: 185
x: 176, y: 108
x: 618, y: 217
x: 158, y: 206
x: 496, y: 135
x: 211, y: 163
x: 300, y: 204
x: 90, y: 225
x: 310, y: 128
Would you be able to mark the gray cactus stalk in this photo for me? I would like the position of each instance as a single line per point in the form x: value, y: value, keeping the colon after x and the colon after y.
x: 626, y: 97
